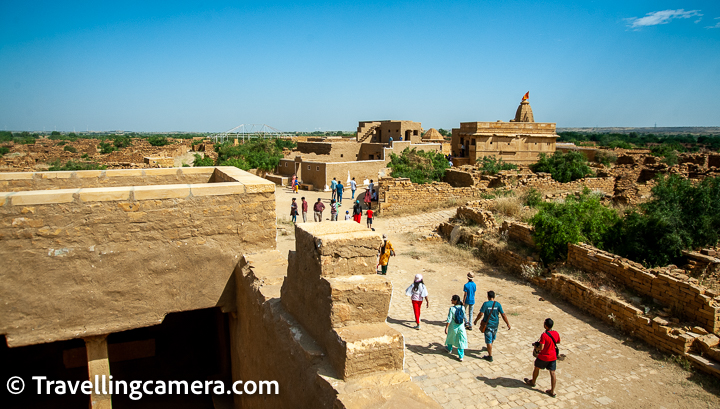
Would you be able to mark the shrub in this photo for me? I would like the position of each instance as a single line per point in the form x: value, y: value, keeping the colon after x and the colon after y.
x: 507, y: 206
x: 68, y: 148
x: 106, y: 147
x: 73, y: 165
x: 4, y: 150
x: 582, y: 219
x: 491, y: 165
x: 84, y: 156
x: 203, y: 161
x: 564, y: 167
x: 606, y: 158
x: 27, y: 140
x: 418, y: 166
x: 6, y: 136
x: 679, y: 216
x: 158, y: 140
x: 533, y: 198
x: 263, y: 154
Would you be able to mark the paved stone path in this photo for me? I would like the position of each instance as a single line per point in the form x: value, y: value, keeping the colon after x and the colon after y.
x: 603, y: 368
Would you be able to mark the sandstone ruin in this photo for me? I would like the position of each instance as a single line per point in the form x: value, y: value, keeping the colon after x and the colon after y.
x: 172, y: 274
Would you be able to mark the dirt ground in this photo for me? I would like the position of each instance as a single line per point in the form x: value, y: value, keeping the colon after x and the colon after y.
x: 603, y: 367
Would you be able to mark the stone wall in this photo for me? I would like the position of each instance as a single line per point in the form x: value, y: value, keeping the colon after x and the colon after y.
x: 671, y: 288
x: 92, y: 261
x: 656, y: 331
x: 400, y: 194
x: 24, y: 181
x: 520, y: 232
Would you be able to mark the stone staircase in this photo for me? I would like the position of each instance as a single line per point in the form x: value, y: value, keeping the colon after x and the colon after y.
x: 366, y: 130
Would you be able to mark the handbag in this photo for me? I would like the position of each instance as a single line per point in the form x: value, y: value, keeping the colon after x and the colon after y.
x: 486, y: 318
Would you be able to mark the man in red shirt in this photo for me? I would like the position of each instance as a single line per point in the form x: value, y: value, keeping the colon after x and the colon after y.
x: 547, y: 357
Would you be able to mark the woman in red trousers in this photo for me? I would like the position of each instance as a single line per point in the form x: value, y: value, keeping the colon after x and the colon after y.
x: 417, y: 292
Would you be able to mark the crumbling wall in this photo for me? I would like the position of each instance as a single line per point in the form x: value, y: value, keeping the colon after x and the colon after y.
x: 91, y: 261
x: 399, y: 194
x: 671, y: 288
x: 518, y: 231
x: 655, y: 331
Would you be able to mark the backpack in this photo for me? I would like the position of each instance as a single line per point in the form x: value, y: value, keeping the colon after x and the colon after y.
x: 459, y: 315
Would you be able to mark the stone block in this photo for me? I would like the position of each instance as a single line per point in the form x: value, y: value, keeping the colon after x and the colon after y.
x: 16, y: 175
x: 43, y: 197
x: 162, y: 172
x: 123, y: 172
x: 4, y: 197
x: 105, y: 194
x: 161, y: 192
x: 366, y: 348
x: 89, y: 174
x: 359, y: 299
x: 56, y: 175
x: 217, y: 189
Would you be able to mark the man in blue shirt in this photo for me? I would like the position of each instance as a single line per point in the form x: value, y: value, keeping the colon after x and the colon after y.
x: 333, y: 187
x: 469, y: 300
x: 339, y: 189
x: 492, y: 309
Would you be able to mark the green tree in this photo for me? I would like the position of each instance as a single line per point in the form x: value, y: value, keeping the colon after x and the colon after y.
x: 418, y: 166
x: 564, y: 167
x: 68, y: 148
x: 203, y: 161
x: 106, y: 147
x: 158, y: 140
x: 4, y: 150
x: 263, y: 154
x: 75, y: 165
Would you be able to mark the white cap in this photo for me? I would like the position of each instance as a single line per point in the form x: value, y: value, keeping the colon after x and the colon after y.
x: 418, y: 277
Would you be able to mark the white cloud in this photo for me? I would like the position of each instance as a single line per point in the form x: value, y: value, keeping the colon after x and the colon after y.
x: 661, y: 17
x: 717, y: 25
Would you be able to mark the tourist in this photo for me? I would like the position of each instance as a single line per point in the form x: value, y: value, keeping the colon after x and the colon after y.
x: 293, y: 210
x: 292, y: 182
x: 400, y: 139
x: 333, y: 187
x: 391, y: 140
x: 357, y: 211
x: 296, y: 186
x: 386, y: 250
x: 491, y: 309
x: 369, y: 215
x: 333, y: 210
x: 371, y: 186
x: 304, y: 209
x: 469, y: 300
x: 366, y: 198
x: 339, y: 188
x: 353, y: 186
x: 374, y: 196
x: 417, y: 292
x: 347, y: 215
x: 454, y: 328
x: 547, y: 355
x: 318, y: 209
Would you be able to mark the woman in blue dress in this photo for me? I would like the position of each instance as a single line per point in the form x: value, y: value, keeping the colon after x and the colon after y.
x: 456, y: 335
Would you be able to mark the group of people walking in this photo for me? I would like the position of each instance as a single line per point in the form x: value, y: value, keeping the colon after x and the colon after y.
x: 335, y: 204
x: 459, y: 321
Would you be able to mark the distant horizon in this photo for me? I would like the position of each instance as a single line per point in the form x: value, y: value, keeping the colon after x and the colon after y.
x: 322, y: 65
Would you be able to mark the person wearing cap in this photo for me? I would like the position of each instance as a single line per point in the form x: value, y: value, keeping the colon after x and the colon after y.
x: 417, y: 292
x: 386, y: 250
x: 293, y: 210
x: 318, y: 208
x: 469, y: 300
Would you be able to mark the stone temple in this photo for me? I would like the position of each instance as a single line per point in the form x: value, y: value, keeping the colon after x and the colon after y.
x: 519, y: 141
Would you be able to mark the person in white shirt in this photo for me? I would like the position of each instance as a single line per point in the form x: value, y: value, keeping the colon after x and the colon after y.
x: 417, y: 292
x: 353, y: 186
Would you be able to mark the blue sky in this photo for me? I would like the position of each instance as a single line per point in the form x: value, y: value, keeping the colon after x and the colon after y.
x: 210, y: 66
